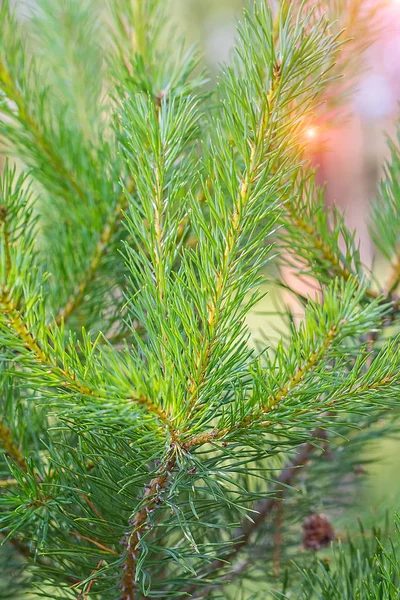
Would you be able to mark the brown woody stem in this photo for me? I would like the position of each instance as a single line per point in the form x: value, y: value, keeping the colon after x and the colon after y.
x: 152, y: 497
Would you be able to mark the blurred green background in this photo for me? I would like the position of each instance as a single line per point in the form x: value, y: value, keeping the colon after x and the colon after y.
x: 210, y: 24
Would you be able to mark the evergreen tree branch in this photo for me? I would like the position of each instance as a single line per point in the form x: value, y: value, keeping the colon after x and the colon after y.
x: 11, y: 448
x: 71, y: 153
x: 13, y: 93
x: 336, y: 269
x: 377, y: 378
x: 313, y: 345
x: 160, y: 237
x: 102, y: 247
x: 64, y: 377
x: 313, y: 238
x: 258, y: 142
x: 168, y: 441
x: 224, y: 274
x: 381, y: 376
x: 257, y: 164
x: 23, y: 307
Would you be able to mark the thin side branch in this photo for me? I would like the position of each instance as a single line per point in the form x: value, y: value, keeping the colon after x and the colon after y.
x: 111, y: 227
x: 336, y: 268
x: 273, y: 402
x: 12, y: 450
x: 14, y: 94
x: 235, y: 230
x: 67, y: 378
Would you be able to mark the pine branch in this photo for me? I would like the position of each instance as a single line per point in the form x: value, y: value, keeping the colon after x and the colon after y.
x: 15, y: 320
x: 228, y: 265
x: 168, y: 440
x: 320, y: 246
x: 160, y: 237
x: 313, y: 238
x: 260, y: 143
x: 11, y: 448
x: 13, y: 93
x: 103, y: 246
x: 63, y: 376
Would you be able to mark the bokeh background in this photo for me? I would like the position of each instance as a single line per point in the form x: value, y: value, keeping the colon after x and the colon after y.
x: 351, y: 156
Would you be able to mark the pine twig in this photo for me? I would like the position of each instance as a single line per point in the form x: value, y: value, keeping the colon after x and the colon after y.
x: 14, y: 94
x: 69, y: 381
x: 12, y: 451
x: 274, y: 401
x: 337, y: 269
x: 101, y: 249
x: 236, y: 226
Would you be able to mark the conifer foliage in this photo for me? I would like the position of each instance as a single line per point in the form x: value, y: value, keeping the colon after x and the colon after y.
x: 149, y: 448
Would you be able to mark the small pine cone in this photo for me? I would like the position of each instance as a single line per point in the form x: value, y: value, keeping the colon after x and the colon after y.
x: 317, y: 532
x: 359, y: 470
